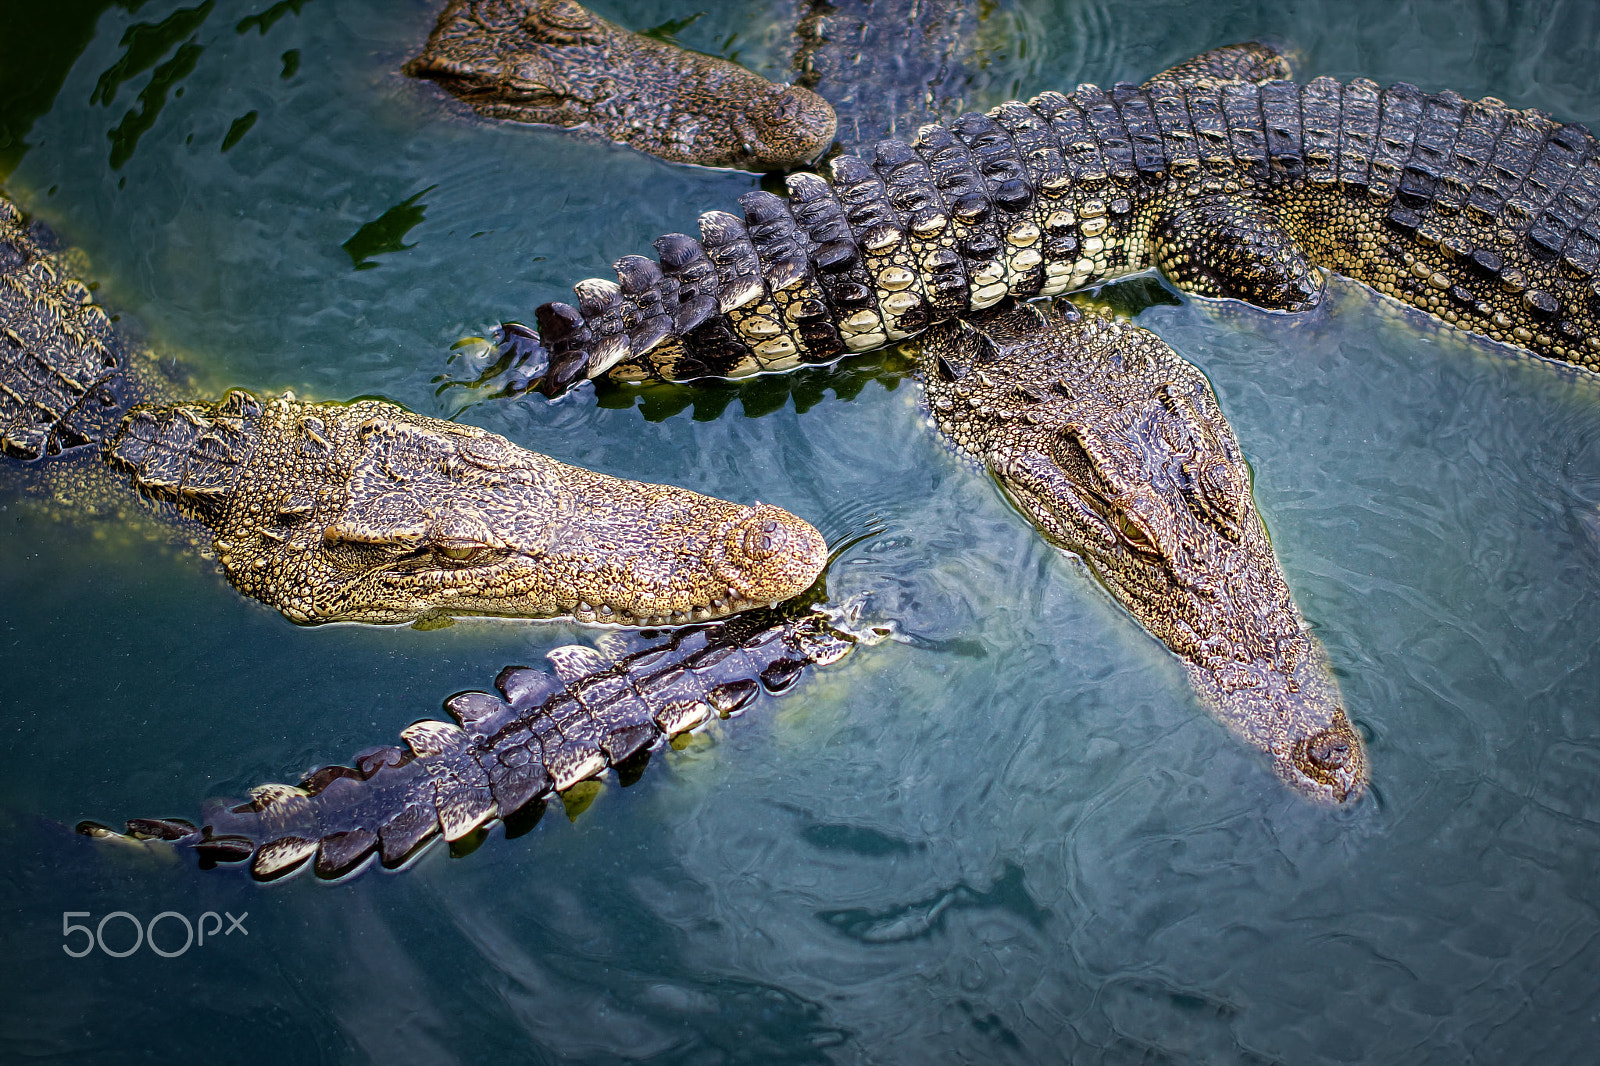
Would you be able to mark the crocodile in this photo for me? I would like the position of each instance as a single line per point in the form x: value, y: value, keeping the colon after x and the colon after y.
x: 557, y: 63
x: 1230, y: 179
x: 768, y: 292
x: 1101, y: 435
x: 1114, y: 447
x: 365, y: 511
x: 1106, y: 440
x: 505, y: 753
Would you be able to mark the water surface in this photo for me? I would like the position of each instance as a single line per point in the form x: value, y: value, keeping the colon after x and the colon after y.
x: 1022, y: 842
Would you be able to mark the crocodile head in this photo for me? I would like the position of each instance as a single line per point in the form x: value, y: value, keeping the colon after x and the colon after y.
x: 555, y: 62
x: 366, y: 512
x: 1115, y: 448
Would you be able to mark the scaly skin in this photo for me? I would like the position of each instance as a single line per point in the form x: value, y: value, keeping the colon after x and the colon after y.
x: 508, y: 751
x: 1064, y: 411
x: 1481, y: 215
x: 366, y: 512
x: 555, y: 62
x: 1118, y: 454
x: 1115, y: 448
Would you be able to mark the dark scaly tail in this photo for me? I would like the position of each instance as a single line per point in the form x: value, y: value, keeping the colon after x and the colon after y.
x: 539, y: 732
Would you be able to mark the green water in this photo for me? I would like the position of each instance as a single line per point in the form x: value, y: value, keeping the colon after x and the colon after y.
x: 1023, y: 842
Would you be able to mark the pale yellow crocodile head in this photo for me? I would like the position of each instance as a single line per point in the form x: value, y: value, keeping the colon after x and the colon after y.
x: 366, y: 512
x: 1115, y: 448
x: 556, y: 62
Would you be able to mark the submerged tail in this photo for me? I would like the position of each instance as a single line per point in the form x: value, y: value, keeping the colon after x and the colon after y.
x: 539, y: 732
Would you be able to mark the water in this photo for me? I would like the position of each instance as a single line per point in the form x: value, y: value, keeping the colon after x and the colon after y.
x: 1022, y: 843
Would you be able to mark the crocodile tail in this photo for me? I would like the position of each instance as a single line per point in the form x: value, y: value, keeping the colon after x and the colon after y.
x: 62, y: 384
x: 506, y: 751
x: 901, y: 237
x: 1480, y: 214
x: 905, y: 235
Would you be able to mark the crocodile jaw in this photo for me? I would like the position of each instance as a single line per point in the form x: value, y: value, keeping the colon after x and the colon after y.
x: 1288, y: 706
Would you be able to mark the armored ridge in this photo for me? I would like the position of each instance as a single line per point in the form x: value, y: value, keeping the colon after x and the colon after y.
x: 539, y: 732
x: 368, y: 512
x: 555, y: 62
x: 1116, y: 449
x: 62, y: 383
x: 1479, y: 214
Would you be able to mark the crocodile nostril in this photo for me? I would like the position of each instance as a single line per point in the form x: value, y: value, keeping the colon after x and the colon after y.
x: 763, y: 540
x: 1328, y: 751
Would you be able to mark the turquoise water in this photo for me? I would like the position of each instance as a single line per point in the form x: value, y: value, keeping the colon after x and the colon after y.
x: 1021, y: 842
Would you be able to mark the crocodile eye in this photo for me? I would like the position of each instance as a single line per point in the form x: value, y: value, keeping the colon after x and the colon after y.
x: 1134, y: 536
x: 450, y: 557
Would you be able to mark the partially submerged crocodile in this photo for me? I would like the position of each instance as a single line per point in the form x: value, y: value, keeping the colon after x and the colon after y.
x: 1115, y: 448
x: 556, y: 62
x: 1231, y: 181
x: 368, y: 512
x: 1100, y: 434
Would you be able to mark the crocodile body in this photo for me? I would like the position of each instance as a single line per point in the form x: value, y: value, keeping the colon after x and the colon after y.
x: 1479, y: 214
x: 508, y: 751
x: 557, y: 63
x: 368, y: 512
x: 886, y: 66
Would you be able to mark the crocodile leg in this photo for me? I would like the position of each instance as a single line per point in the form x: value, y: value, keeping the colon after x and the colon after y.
x: 1232, y: 247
